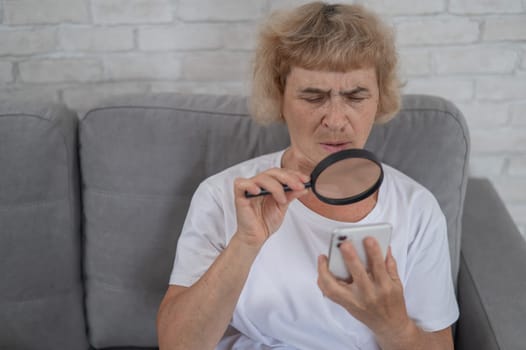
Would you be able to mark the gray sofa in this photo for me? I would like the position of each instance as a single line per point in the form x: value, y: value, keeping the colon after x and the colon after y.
x: 91, y: 209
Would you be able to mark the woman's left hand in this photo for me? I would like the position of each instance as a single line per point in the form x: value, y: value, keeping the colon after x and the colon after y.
x: 375, y: 296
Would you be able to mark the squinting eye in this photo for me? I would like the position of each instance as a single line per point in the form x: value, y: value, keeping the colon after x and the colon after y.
x: 314, y: 99
x: 355, y: 99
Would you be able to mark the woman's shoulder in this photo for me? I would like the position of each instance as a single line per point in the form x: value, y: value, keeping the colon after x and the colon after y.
x: 403, y: 187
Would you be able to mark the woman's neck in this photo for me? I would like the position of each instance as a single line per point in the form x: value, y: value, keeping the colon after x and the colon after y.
x: 344, y: 213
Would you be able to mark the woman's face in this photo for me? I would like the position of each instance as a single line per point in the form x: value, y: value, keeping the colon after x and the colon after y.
x: 327, y: 112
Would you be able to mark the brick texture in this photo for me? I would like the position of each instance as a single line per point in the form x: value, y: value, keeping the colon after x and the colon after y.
x: 502, y: 89
x: 518, y: 114
x: 471, y: 59
x: 132, y: 11
x: 437, y: 31
x: 472, y: 52
x: 225, y: 10
x: 414, y: 62
x: 517, y: 166
x: 217, y: 88
x: 46, y: 11
x: 27, y: 41
x: 500, y: 140
x: 142, y: 67
x: 483, y: 115
x: 405, y: 7
x: 456, y: 89
x: 484, y: 166
x: 96, y: 39
x: 505, y: 28
x: 512, y: 189
x: 11, y: 94
x: 60, y: 70
x: 6, y: 72
x: 204, y: 36
x: 485, y: 7
x: 216, y: 67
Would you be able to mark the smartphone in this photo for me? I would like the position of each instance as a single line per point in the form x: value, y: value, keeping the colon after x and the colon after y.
x: 356, y: 235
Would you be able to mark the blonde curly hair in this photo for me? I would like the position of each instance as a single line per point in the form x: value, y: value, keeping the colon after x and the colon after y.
x: 321, y: 36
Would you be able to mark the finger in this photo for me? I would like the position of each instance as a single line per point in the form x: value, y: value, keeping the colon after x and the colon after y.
x: 329, y: 285
x: 392, y: 268
x: 274, y: 180
x: 292, y: 178
x: 242, y: 186
x: 353, y: 264
x: 272, y: 185
x: 375, y: 259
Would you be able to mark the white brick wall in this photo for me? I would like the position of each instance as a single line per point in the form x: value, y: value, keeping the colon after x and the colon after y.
x: 471, y: 59
x: 32, y: 12
x: 485, y: 6
x: 505, y: 28
x: 131, y: 11
x: 98, y: 39
x: 17, y: 42
x: 6, y: 72
x: 60, y: 70
x: 405, y: 7
x: 224, y: 10
x: 420, y: 32
x: 213, y: 66
x: 165, y: 66
x: 205, y: 36
x: 81, y: 51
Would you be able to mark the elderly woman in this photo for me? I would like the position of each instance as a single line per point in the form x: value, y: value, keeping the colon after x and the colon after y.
x: 257, y: 264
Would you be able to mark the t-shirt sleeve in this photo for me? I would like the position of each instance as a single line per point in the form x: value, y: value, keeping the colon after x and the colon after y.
x: 202, y: 238
x: 429, y: 291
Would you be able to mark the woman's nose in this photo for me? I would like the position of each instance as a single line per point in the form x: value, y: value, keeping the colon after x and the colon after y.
x: 335, y: 117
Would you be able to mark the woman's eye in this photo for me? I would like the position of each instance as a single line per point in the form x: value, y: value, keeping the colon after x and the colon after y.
x: 355, y: 98
x: 314, y: 99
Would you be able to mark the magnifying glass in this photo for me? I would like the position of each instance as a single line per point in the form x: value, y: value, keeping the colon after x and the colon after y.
x: 344, y: 177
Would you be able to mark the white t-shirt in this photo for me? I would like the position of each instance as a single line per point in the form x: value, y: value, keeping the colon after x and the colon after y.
x: 281, y: 305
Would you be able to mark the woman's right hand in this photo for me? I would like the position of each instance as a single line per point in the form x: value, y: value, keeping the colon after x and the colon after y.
x: 259, y: 217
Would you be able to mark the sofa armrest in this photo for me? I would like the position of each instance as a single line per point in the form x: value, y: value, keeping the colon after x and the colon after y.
x: 492, y: 277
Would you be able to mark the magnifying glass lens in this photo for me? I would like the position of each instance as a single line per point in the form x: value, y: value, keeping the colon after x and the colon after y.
x: 342, y: 178
x: 348, y: 178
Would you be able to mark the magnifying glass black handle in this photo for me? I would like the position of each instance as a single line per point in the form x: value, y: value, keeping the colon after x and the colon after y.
x: 264, y: 192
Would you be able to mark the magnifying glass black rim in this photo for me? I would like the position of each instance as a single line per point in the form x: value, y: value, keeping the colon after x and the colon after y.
x: 336, y: 157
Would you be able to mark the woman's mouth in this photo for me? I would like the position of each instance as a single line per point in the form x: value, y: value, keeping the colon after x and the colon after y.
x: 333, y: 147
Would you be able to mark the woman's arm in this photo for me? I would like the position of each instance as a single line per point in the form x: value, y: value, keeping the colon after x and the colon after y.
x: 196, y: 317
x: 418, y: 339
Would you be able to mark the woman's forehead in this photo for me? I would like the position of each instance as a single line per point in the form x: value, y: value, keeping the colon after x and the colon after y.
x: 319, y: 78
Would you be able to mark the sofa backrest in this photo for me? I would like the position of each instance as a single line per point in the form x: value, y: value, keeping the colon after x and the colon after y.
x: 143, y: 156
x: 41, y: 296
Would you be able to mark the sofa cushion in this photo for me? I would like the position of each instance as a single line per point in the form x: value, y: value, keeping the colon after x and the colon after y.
x: 41, y: 299
x: 143, y: 156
